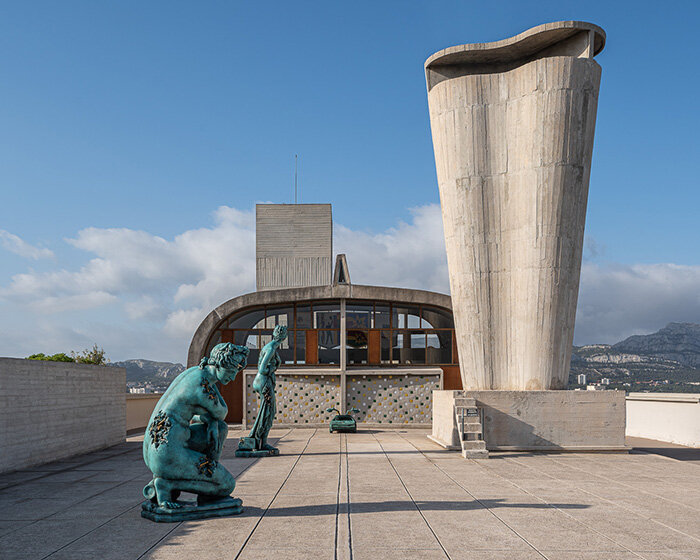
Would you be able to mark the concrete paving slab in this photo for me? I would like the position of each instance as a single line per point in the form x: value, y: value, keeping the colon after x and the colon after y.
x: 401, y: 554
x: 7, y: 527
x: 125, y: 536
x: 377, y: 494
x: 41, y: 538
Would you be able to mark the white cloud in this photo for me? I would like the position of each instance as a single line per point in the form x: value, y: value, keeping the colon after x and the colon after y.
x: 410, y: 255
x: 141, y: 295
x: 616, y: 301
x: 18, y: 246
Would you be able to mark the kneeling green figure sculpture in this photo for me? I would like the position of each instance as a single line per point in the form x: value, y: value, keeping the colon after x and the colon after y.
x: 255, y: 445
x: 184, y: 440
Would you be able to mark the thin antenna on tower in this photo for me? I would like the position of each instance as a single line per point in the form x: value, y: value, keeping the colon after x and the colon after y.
x: 295, y: 178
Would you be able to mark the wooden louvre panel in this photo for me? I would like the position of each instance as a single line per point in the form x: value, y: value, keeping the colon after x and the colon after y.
x: 233, y: 392
x: 374, y: 344
x: 312, y: 346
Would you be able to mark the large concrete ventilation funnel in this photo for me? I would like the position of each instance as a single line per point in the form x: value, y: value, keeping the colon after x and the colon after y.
x: 512, y: 124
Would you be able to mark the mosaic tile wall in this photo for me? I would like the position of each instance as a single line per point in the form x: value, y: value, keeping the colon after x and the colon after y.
x: 301, y: 399
x: 392, y: 399
x: 381, y: 399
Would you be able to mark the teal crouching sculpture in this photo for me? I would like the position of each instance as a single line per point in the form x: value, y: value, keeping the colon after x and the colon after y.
x: 255, y: 445
x: 184, y: 440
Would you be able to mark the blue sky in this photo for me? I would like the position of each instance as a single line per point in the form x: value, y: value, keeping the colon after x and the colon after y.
x: 148, y: 117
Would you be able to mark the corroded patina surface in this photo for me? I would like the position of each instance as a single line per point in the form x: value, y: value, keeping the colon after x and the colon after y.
x: 256, y: 445
x: 184, y: 440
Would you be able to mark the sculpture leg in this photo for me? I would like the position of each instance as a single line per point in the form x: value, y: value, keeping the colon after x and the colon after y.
x: 208, y: 438
x: 187, y: 470
x: 258, y: 428
x: 267, y: 422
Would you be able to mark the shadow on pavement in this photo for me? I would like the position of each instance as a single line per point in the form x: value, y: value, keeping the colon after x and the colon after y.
x: 396, y: 505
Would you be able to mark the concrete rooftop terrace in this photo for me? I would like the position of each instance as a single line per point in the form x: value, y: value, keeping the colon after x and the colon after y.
x: 389, y: 494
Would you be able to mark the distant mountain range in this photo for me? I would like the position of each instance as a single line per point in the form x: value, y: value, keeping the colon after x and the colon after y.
x: 667, y: 360
x: 149, y: 371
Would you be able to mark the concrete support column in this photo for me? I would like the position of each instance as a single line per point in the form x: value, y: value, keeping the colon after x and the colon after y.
x: 512, y: 125
x: 343, y: 354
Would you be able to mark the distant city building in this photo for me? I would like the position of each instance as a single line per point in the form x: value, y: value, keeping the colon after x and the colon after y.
x: 595, y: 387
x: 137, y: 390
x: 605, y: 381
x: 581, y: 379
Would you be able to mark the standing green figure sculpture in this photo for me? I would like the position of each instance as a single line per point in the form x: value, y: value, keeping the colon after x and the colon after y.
x: 255, y: 445
x: 184, y: 441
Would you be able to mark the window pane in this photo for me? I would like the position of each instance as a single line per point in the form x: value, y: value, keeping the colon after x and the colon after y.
x: 304, y: 317
x: 434, y: 318
x: 382, y: 317
x: 409, y: 347
x: 328, y: 347
x: 358, y: 316
x: 248, y: 320
x: 439, y: 349
x: 326, y: 316
x: 386, y: 347
x: 215, y: 339
x: 300, y: 345
x: 357, y: 346
x: 279, y: 316
x: 250, y: 340
x: 405, y: 317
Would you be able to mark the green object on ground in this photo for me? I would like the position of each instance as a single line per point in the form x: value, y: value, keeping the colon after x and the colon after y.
x: 343, y: 422
x: 184, y: 440
x: 255, y: 445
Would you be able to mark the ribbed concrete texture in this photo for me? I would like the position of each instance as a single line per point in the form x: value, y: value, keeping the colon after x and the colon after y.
x: 53, y: 410
x: 512, y: 126
x: 293, y: 245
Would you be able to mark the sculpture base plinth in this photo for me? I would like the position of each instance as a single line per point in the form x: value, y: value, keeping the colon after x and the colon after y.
x: 257, y: 452
x: 252, y: 447
x: 189, y: 511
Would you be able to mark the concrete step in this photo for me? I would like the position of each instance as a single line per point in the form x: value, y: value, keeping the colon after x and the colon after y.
x: 470, y: 427
x: 463, y: 401
x: 473, y: 444
x: 475, y: 454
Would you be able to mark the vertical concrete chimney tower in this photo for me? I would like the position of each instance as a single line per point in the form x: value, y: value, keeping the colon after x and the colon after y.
x: 293, y: 245
x: 512, y: 124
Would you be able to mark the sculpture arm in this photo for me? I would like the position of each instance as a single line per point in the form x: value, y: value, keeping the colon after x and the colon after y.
x: 209, y: 399
x: 202, y: 419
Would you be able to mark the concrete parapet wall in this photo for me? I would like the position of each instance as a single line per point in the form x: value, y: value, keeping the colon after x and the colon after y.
x: 139, y: 409
x: 671, y: 417
x: 53, y: 410
x: 540, y: 420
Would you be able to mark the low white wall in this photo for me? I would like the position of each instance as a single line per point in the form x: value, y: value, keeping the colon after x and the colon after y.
x: 53, y: 410
x: 444, y: 424
x: 139, y: 408
x: 671, y: 417
x: 539, y: 420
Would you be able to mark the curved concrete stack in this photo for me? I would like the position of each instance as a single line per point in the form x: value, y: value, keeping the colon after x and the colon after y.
x: 513, y: 124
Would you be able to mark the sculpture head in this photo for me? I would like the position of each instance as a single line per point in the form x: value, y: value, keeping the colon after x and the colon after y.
x: 228, y: 359
x: 280, y: 332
